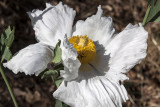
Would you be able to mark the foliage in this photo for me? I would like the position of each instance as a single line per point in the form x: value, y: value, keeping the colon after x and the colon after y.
x: 153, y: 12
x: 60, y: 104
x: 55, y: 66
x: 53, y: 71
x: 57, y: 53
x: 6, y: 41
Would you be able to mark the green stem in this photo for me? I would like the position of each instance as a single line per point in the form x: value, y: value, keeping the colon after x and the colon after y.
x: 146, y: 16
x: 8, y: 86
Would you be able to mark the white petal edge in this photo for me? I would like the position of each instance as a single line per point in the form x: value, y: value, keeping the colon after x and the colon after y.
x: 52, y: 23
x: 126, y: 49
x: 31, y: 60
x: 91, y: 92
x: 96, y: 27
x: 70, y: 61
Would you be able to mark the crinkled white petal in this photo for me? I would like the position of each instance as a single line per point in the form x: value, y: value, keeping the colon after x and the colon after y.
x: 52, y: 23
x: 91, y: 90
x: 31, y: 60
x: 97, y: 84
x: 70, y: 61
x: 122, y: 51
x: 126, y: 50
x: 101, y: 61
x: 96, y: 27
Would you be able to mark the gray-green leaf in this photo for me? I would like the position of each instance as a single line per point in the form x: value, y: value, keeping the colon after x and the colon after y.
x: 153, y: 12
x: 58, y: 104
x: 65, y: 105
x: 157, y: 19
x: 10, y: 37
x: 6, y: 41
x: 7, y: 55
x: 49, y: 73
x: 57, y: 53
x: 2, y: 40
x: 58, y: 82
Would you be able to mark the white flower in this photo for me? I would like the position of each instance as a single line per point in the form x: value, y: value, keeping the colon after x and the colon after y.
x: 50, y: 25
x: 95, y: 57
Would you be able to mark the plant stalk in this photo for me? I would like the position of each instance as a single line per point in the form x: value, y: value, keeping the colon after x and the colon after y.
x: 8, y: 86
x: 146, y: 16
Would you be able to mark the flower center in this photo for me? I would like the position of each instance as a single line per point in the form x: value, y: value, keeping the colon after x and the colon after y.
x: 85, y: 48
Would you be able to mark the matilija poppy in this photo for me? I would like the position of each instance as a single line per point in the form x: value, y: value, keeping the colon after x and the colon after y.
x: 94, y: 56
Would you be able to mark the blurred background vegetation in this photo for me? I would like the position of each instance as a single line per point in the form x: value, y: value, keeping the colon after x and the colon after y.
x: 30, y: 91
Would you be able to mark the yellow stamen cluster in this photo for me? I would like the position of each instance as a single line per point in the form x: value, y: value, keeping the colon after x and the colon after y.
x: 85, y: 48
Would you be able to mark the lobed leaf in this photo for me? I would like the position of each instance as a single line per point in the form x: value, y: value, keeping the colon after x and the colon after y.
x: 157, y: 18
x: 65, y: 105
x: 7, y: 55
x: 6, y: 41
x: 49, y: 73
x: 2, y: 39
x: 10, y: 37
x: 57, y: 53
x: 153, y: 12
x: 58, y: 82
x: 58, y: 104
